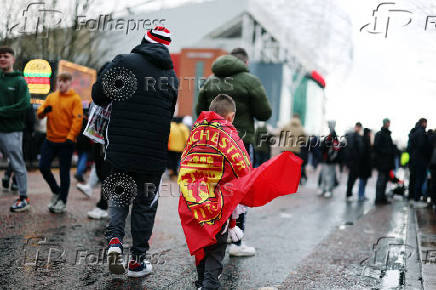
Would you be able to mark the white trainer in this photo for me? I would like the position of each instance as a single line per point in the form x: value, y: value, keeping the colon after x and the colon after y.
x: 98, y: 214
x: 59, y: 207
x: 54, y: 199
x: 328, y: 194
x: 139, y: 269
x: 115, y: 257
x: 85, y: 189
x: 241, y: 251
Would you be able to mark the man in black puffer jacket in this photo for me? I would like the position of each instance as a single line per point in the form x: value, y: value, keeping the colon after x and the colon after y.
x: 420, y: 154
x: 384, y: 156
x: 354, y: 151
x: 142, y: 87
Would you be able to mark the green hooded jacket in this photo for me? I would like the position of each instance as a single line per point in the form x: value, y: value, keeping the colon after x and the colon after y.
x: 231, y: 77
x: 14, y: 101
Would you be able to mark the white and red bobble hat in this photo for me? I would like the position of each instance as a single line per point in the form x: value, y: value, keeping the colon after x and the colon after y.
x: 159, y: 34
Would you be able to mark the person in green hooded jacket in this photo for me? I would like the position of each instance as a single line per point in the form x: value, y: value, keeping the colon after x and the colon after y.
x: 14, y: 101
x: 232, y: 77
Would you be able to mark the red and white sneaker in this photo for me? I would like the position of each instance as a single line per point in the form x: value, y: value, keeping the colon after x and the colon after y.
x: 139, y: 269
x: 115, y: 257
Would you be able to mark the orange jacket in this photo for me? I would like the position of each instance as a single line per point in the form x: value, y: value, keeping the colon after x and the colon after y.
x: 65, y: 120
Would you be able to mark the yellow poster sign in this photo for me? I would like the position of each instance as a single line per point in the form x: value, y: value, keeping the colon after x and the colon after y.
x: 37, y: 73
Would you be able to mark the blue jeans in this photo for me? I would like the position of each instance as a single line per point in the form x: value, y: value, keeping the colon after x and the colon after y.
x: 81, y: 163
x: 64, y: 151
x: 362, y: 185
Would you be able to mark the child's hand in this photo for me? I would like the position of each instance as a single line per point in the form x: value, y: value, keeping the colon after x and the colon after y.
x: 235, y: 232
x: 48, y: 109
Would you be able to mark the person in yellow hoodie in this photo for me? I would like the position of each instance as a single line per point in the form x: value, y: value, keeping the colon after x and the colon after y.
x: 64, y: 111
x: 179, y: 134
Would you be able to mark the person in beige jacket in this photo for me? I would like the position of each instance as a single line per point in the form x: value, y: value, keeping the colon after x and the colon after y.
x: 293, y: 138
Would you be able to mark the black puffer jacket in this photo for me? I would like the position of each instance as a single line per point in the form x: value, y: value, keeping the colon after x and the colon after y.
x: 384, y: 150
x: 137, y: 134
x: 353, y: 150
x: 420, y: 148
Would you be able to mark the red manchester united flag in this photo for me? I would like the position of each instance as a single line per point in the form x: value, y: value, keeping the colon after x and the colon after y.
x: 216, y: 175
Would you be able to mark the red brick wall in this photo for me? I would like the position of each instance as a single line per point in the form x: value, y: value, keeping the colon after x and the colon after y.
x: 188, y: 59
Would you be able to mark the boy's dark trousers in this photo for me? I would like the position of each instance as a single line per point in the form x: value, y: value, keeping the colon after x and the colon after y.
x: 211, y: 266
x: 64, y: 151
x: 144, y: 209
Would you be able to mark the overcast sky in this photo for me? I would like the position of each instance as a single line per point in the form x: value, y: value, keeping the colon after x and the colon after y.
x: 391, y: 77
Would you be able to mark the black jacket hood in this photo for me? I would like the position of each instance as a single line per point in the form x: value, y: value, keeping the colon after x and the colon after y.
x: 155, y: 53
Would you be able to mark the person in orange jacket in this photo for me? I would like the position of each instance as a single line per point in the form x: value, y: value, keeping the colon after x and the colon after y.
x: 64, y: 111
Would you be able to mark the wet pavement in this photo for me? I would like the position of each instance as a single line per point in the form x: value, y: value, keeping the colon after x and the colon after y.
x: 303, y: 241
x: 426, y: 237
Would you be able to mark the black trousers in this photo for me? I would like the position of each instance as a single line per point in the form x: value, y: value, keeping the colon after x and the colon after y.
x: 103, y: 170
x: 353, y: 175
x: 433, y: 186
x: 411, y: 183
x: 211, y: 266
x: 380, y: 187
x: 144, y: 207
x: 261, y: 157
x: 64, y: 152
x: 174, y: 161
x: 420, y: 173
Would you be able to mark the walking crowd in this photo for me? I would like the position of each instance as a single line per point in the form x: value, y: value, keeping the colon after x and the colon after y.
x: 143, y: 139
x: 361, y: 152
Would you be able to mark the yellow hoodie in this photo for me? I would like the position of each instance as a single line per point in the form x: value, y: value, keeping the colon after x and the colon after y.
x: 65, y: 120
x: 179, y: 134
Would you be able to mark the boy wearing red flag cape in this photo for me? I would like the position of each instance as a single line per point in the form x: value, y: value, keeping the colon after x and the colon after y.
x: 215, y: 178
x: 214, y: 156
